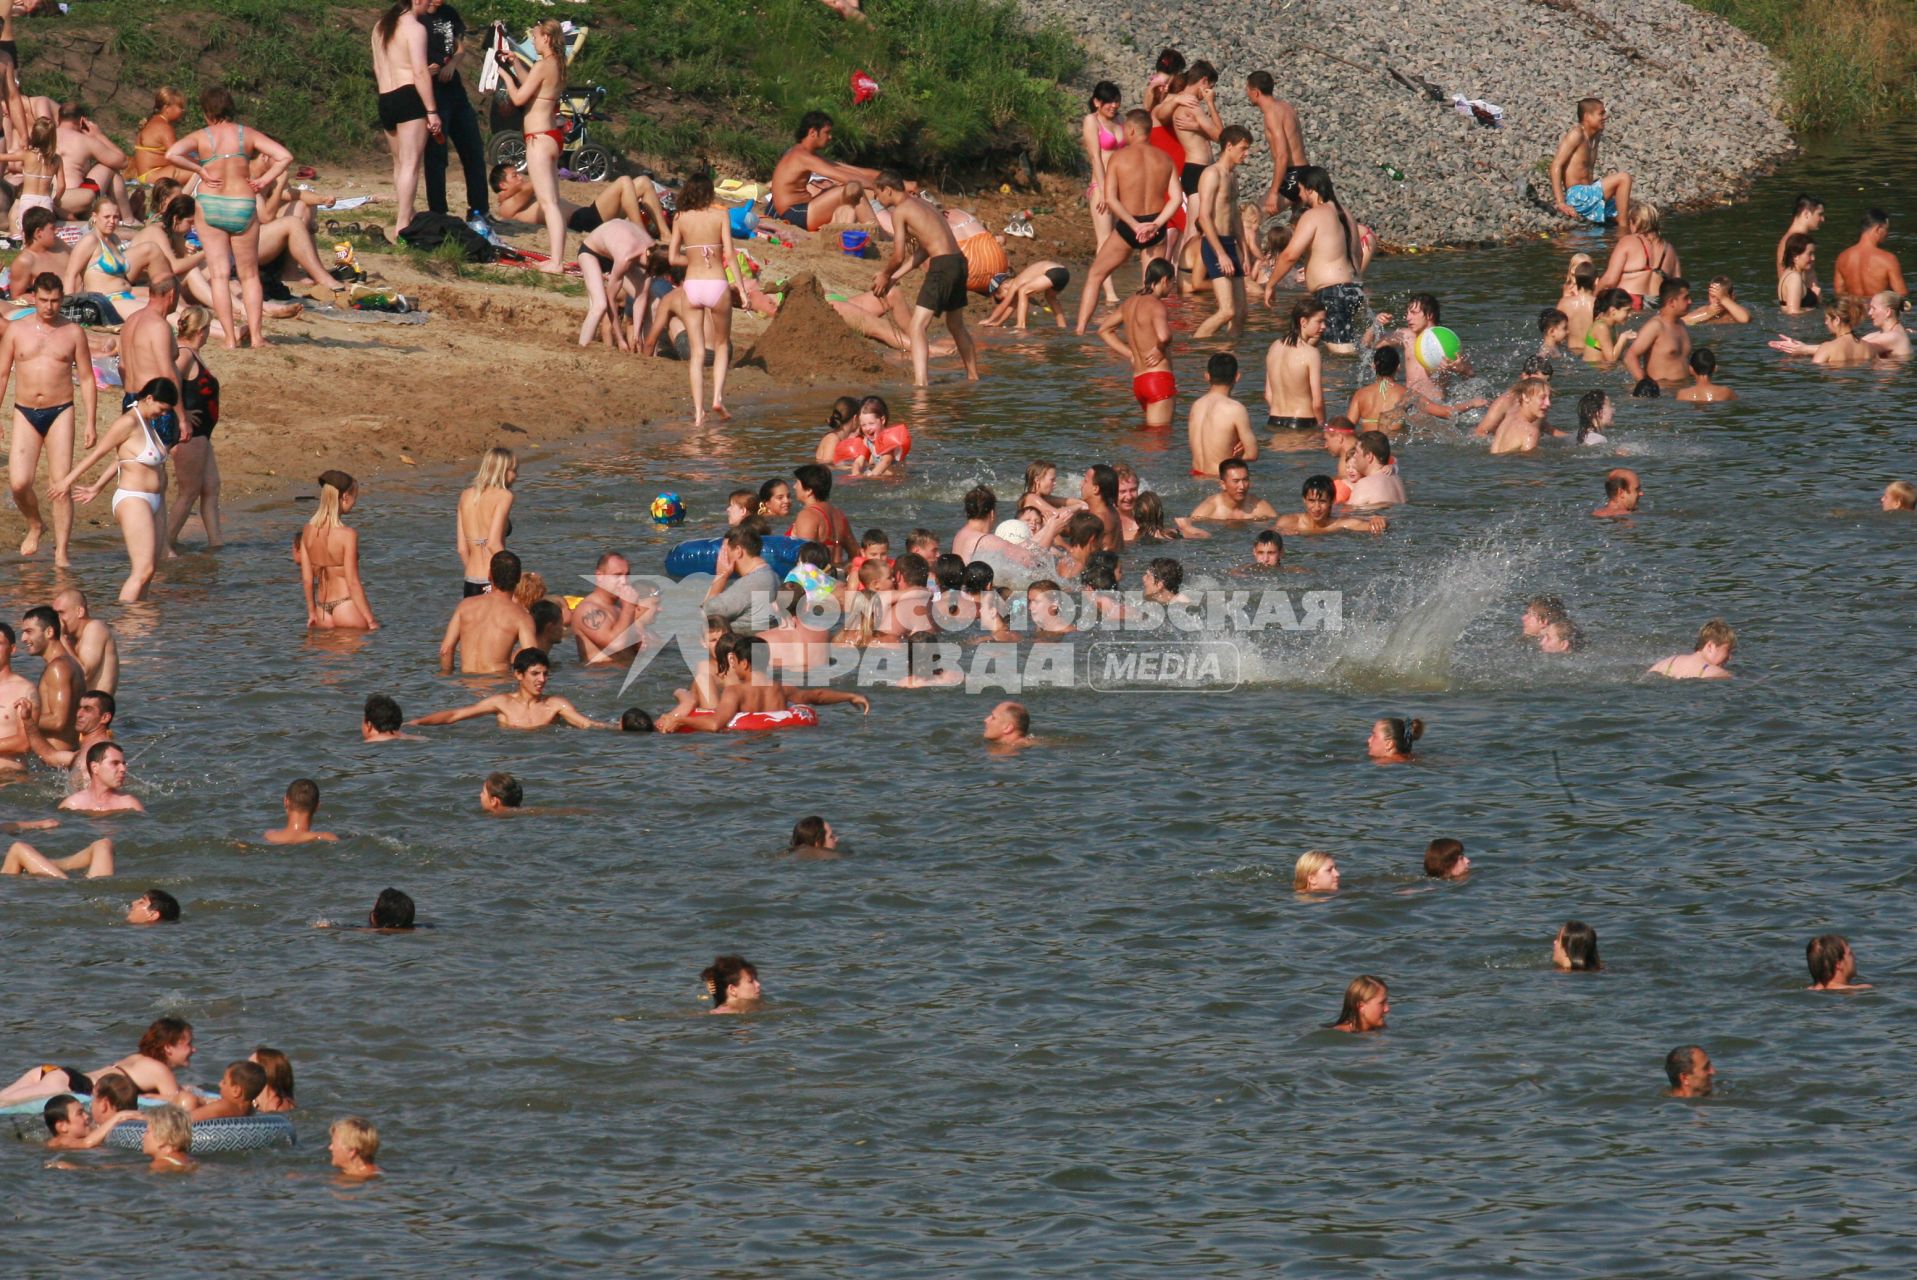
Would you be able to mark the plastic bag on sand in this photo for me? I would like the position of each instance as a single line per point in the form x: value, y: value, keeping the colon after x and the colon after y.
x: 864, y: 88
x: 1488, y: 114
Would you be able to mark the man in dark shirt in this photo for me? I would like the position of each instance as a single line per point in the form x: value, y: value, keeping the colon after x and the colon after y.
x: 445, y: 33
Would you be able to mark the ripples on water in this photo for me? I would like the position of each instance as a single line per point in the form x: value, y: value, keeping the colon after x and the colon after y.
x: 1062, y: 1013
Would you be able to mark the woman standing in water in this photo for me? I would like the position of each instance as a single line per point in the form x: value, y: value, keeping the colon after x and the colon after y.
x: 139, y: 500
x: 485, y: 517
x: 539, y: 95
x: 1366, y: 1004
x: 329, y: 561
x: 196, y: 477
x: 702, y: 243
x: 229, y: 206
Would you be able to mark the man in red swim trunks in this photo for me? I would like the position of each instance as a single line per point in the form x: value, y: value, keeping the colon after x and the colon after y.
x: 1147, y: 343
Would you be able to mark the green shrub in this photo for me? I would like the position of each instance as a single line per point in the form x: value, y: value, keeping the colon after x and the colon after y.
x: 1847, y: 62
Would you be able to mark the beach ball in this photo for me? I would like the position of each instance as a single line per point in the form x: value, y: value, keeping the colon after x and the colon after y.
x: 1437, y: 345
x: 667, y: 509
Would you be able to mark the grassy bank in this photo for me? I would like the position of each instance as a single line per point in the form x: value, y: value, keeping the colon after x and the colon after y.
x: 965, y: 84
x: 1848, y: 62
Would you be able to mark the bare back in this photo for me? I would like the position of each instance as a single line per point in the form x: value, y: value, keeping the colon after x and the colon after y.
x: 1140, y: 177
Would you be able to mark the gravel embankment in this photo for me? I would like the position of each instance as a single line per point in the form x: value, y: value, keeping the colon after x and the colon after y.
x: 1694, y: 104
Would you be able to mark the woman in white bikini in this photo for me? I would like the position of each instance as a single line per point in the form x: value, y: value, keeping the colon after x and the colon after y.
x: 702, y: 243
x: 329, y: 561
x: 139, y: 500
x: 485, y: 517
x: 41, y: 176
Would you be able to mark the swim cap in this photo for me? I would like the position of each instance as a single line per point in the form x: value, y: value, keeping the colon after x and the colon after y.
x: 1014, y: 531
x: 999, y: 281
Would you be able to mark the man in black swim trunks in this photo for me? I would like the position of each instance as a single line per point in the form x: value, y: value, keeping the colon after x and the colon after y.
x: 1138, y: 176
x: 49, y: 353
x: 1041, y: 281
x: 792, y: 197
x: 943, y: 293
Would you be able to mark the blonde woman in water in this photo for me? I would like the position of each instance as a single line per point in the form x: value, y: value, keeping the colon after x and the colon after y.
x: 485, y: 517
x: 329, y: 561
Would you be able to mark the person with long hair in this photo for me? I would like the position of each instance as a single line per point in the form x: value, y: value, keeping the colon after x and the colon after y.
x: 42, y: 178
x: 539, y: 94
x: 813, y: 839
x: 196, y: 476
x: 1294, y: 371
x: 157, y: 136
x: 841, y: 424
x: 732, y: 983
x: 228, y: 206
x: 1391, y: 739
x: 1797, y: 286
x: 701, y: 242
x: 1843, y: 347
x: 1169, y: 77
x: 1100, y: 133
x: 775, y: 497
x: 1329, y: 241
x: 1367, y: 1002
x: 278, y: 1094
x: 484, y: 519
x: 165, y: 1048
x: 408, y: 107
x: 1153, y: 525
x: 139, y: 500
x: 1575, y: 948
x: 329, y: 561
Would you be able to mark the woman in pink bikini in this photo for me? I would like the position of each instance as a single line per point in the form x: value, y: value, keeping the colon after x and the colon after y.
x: 702, y: 243
x: 1102, y: 135
x: 539, y: 93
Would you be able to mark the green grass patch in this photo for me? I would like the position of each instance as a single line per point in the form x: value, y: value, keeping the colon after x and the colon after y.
x: 966, y: 85
x: 1847, y: 62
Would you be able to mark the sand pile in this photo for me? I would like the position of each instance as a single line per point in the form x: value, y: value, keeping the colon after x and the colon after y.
x: 807, y: 340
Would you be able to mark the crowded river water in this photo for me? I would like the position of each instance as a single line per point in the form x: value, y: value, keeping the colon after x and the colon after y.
x: 1061, y: 1011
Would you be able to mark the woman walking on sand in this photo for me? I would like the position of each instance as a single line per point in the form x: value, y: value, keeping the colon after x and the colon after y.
x: 485, y: 517
x: 539, y: 94
x: 329, y: 561
x: 702, y: 243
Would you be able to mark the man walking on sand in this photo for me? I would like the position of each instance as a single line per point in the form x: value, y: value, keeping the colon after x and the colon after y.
x: 1137, y: 177
x: 1283, y: 137
x: 943, y: 293
x: 1573, y: 189
x: 792, y: 197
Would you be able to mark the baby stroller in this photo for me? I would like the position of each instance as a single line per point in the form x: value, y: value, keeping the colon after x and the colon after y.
x: 579, y: 156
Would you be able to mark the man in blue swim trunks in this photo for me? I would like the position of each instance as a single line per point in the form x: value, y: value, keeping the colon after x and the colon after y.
x: 1574, y: 190
x: 792, y: 198
x: 1217, y: 207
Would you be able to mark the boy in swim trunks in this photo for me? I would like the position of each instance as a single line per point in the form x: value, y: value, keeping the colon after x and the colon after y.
x: 792, y: 177
x: 527, y: 707
x: 1219, y: 427
x: 943, y: 293
x: 1147, y: 343
x: 750, y: 699
x: 1224, y: 264
x: 1573, y: 189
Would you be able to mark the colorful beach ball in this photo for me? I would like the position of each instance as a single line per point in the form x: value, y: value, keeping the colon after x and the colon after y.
x: 667, y: 509
x: 1437, y: 345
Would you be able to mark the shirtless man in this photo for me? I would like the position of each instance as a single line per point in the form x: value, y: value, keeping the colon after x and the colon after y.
x: 1217, y: 215
x: 90, y: 164
x: 1326, y: 237
x: 1662, y: 350
x: 1378, y: 484
x: 1690, y: 1072
x: 150, y: 349
x: 1098, y: 489
x: 15, y: 689
x: 1294, y: 372
x: 748, y: 690
x: 1147, y: 343
x: 1421, y: 313
x: 1807, y: 215
x: 1622, y: 492
x: 1706, y: 389
x: 1833, y: 965
x: 408, y: 107
x: 606, y: 624
x: 90, y: 639
x: 92, y: 720
x: 1317, y: 518
x: 487, y: 629
x: 612, y: 261
x: 1710, y: 661
x: 943, y: 292
x: 106, y: 776
x: 905, y: 607
x: 1520, y: 430
x: 1283, y: 138
x: 300, y: 804
x: 1867, y: 268
x: 527, y: 707
x: 1232, y: 504
x: 61, y: 680
x: 634, y: 199
x: 1008, y: 725
x: 44, y: 252
x: 1138, y: 176
x: 1573, y: 191
x: 1219, y: 427
x: 48, y: 352
x: 792, y: 197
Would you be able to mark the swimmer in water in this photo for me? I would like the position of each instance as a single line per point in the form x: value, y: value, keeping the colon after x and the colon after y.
x: 1704, y: 390
x: 239, y: 1086
x: 1595, y: 412
x: 1711, y: 661
x: 1844, y: 346
x: 1294, y: 372
x: 1888, y: 337
x: 1219, y: 428
x: 1377, y: 484
x: 1661, y: 352
x: 1316, y: 872
x: 813, y: 840
x: 165, y: 1047
x: 1319, y: 494
x: 380, y: 721
x: 732, y: 984
x: 486, y: 629
x: 392, y: 912
x: 1268, y: 550
x: 1560, y: 636
x: 1867, y: 268
x: 746, y: 690
x: 527, y: 707
x: 1232, y: 503
x: 1367, y: 1002
x: 501, y: 795
x: 1539, y: 613
x: 301, y: 803
x: 1520, y: 430
x: 1147, y: 343
x: 1554, y: 334
x: 169, y: 1137
x: 278, y: 1094
x: 155, y: 906
x: 1391, y: 739
x: 1622, y: 492
x: 1833, y: 966
x: 1575, y: 949
x: 1690, y: 1071
x: 22, y: 859
x: 106, y: 775
x: 1444, y: 859
x: 1899, y: 495
x: 1381, y: 405
x: 1009, y: 725
x: 1604, y: 344
x: 353, y: 1147
x: 1720, y: 305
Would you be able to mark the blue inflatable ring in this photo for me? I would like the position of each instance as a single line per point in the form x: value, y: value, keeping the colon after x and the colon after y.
x: 701, y: 555
x: 212, y: 1137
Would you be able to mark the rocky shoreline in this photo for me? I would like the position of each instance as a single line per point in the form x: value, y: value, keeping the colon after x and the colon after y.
x: 1695, y: 105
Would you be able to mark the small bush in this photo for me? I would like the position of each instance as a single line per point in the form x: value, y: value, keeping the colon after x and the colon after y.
x: 1848, y: 62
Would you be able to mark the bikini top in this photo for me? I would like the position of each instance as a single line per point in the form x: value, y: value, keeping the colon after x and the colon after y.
x: 154, y: 455
x: 239, y: 131
x: 1107, y: 141
x: 110, y: 262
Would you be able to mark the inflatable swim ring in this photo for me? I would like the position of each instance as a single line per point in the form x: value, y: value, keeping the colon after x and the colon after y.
x: 701, y: 555
x: 211, y: 1137
x: 800, y: 717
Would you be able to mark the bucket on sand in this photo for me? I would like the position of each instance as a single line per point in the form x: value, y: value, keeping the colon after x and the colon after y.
x: 854, y: 242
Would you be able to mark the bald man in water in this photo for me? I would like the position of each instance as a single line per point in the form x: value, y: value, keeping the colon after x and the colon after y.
x: 1622, y: 490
